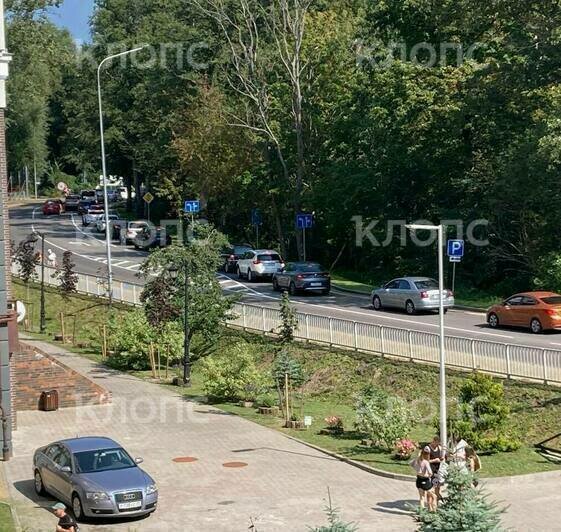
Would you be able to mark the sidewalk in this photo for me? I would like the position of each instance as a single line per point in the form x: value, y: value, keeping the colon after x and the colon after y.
x: 283, y: 487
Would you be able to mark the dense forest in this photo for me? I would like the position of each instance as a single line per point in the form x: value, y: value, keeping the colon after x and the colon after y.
x: 385, y: 110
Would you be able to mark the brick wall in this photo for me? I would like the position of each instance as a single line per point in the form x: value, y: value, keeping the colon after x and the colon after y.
x: 35, y: 372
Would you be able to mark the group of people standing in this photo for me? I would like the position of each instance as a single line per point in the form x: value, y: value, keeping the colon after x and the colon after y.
x: 431, y: 467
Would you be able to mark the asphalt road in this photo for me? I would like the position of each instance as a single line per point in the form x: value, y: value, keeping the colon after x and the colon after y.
x: 66, y: 233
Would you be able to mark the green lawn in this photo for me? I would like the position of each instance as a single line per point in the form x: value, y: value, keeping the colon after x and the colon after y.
x: 466, y: 296
x: 334, y: 380
x: 83, y: 317
x: 6, y: 522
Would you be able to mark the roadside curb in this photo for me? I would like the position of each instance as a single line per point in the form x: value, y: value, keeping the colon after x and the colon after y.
x: 359, y: 293
x: 350, y: 461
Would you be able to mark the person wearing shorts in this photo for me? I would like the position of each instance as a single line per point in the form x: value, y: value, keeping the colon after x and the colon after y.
x: 422, y: 467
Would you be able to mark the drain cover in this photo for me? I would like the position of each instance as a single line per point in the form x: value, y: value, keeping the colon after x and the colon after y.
x: 185, y: 459
x: 234, y: 464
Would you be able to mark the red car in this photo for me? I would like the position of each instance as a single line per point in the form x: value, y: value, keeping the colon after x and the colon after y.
x: 52, y: 207
x: 538, y: 311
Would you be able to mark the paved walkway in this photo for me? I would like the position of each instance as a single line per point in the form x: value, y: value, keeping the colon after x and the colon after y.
x: 282, y: 488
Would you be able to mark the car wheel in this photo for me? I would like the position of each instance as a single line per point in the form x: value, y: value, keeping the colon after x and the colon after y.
x: 536, y: 326
x: 276, y: 286
x: 77, y: 508
x: 250, y: 278
x: 39, y: 487
x: 377, y: 303
x: 410, y: 307
x: 292, y: 289
x: 493, y: 320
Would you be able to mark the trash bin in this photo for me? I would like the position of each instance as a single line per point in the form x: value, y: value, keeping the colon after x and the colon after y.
x: 49, y: 401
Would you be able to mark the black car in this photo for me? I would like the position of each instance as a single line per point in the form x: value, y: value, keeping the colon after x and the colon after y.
x: 232, y: 255
x: 303, y: 277
x: 152, y: 238
x: 84, y: 205
x: 72, y: 202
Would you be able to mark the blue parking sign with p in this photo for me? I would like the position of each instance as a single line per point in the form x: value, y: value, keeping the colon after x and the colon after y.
x: 456, y: 248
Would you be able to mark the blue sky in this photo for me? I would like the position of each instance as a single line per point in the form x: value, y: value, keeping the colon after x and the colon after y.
x: 74, y: 15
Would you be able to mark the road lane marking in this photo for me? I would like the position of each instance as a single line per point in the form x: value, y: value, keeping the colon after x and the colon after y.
x: 86, y: 257
x: 369, y: 314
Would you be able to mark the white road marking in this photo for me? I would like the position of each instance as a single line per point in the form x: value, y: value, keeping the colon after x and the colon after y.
x: 87, y: 257
x: 369, y: 314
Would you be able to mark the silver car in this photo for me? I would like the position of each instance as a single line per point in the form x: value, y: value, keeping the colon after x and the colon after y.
x: 411, y: 294
x: 96, y: 477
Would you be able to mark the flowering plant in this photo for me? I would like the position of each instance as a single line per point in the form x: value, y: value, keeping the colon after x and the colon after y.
x: 404, y: 448
x: 334, y: 422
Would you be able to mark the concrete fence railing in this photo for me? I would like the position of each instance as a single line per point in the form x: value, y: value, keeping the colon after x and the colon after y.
x: 469, y: 354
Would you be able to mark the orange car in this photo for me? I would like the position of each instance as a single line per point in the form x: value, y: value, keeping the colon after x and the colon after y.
x: 540, y: 311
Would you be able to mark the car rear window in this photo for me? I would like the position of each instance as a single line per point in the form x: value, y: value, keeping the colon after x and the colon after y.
x: 552, y: 300
x: 269, y: 257
x: 429, y: 284
x: 137, y: 225
x: 240, y: 250
x: 308, y: 267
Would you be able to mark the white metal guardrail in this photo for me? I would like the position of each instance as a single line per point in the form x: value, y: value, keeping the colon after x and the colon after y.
x: 470, y: 354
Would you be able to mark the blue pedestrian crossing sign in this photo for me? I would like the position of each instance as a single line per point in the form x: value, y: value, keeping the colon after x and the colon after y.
x: 455, y: 249
x: 304, y: 221
x: 192, y: 206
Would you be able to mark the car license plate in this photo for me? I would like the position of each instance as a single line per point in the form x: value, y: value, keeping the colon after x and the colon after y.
x: 130, y: 505
x: 315, y: 284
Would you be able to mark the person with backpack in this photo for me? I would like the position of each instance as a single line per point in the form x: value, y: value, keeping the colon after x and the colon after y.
x: 66, y: 523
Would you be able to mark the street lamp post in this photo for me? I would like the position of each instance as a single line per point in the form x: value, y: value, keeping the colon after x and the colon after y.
x: 104, y: 170
x: 42, y: 319
x: 174, y: 273
x: 443, y: 417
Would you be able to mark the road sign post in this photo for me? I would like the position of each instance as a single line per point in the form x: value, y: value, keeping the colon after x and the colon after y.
x: 148, y: 199
x: 455, y: 252
x: 256, y: 221
x: 304, y: 221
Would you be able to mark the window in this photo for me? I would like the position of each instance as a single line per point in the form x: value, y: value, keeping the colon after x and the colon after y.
x: 272, y: 257
x: 62, y: 459
x: 52, y: 451
x: 528, y: 301
x: 428, y: 284
x: 289, y: 267
x: 404, y: 285
x: 309, y: 267
x: 392, y: 285
x: 105, y: 460
x: 552, y: 300
x: 514, y: 301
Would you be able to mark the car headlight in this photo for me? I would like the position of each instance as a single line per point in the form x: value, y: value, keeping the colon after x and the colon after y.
x: 151, y: 488
x: 97, y: 496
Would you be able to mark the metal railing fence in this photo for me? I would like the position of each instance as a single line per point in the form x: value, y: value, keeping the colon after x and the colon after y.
x: 508, y: 360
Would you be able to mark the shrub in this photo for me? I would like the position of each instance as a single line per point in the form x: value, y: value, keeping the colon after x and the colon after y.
x: 404, y: 448
x: 334, y: 422
x: 464, y: 509
x: 283, y: 365
x: 233, y: 375
x: 130, y: 338
x: 382, y: 418
x: 482, y: 414
x: 267, y: 401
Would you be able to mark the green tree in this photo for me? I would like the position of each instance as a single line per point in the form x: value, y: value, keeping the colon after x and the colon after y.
x: 27, y: 259
x: 335, y: 523
x: 68, y: 279
x: 196, y: 262
x: 464, y: 508
x: 482, y: 415
x: 383, y: 418
x: 289, y: 320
